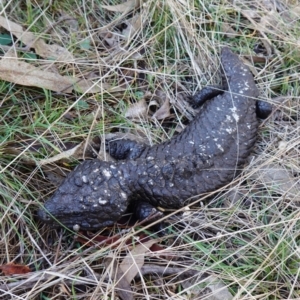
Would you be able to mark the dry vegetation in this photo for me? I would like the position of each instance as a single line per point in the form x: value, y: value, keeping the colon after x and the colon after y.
x: 73, y: 71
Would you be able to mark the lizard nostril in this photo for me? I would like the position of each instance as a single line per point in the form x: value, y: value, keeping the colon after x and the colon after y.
x: 43, y: 215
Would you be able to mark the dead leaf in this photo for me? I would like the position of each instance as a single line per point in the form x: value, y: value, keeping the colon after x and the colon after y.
x: 23, y: 73
x: 217, y: 290
x: 13, y: 269
x: 17, y: 30
x: 85, y: 149
x: 161, y: 101
x: 20, y: 72
x: 130, y: 267
x: 112, y: 39
x: 88, y: 86
x: 134, y: 260
x: 163, y: 112
x: 234, y: 195
x: 70, y: 21
x: 122, y: 286
x: 132, y: 26
x: 214, y: 288
x: 278, y: 179
x: 74, y: 152
x: 137, y: 110
x: 124, y: 7
x: 52, y: 51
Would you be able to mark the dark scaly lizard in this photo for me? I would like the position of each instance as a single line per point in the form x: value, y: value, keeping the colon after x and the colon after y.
x: 204, y: 157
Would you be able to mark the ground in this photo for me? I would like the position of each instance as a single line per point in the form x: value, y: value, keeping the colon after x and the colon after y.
x: 73, y: 73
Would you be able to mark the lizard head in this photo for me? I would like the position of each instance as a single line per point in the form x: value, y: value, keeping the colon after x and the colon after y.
x: 90, y: 198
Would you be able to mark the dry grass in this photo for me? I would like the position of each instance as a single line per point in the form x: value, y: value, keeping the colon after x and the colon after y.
x: 246, y: 237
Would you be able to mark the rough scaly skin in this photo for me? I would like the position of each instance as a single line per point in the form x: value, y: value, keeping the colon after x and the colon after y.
x: 204, y: 157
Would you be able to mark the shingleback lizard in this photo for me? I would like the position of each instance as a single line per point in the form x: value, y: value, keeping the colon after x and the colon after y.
x: 204, y: 157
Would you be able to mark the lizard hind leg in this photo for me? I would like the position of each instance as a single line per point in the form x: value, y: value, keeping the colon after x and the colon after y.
x: 205, y: 94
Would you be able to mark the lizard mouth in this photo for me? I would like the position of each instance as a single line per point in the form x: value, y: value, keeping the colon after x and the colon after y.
x: 75, y: 221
